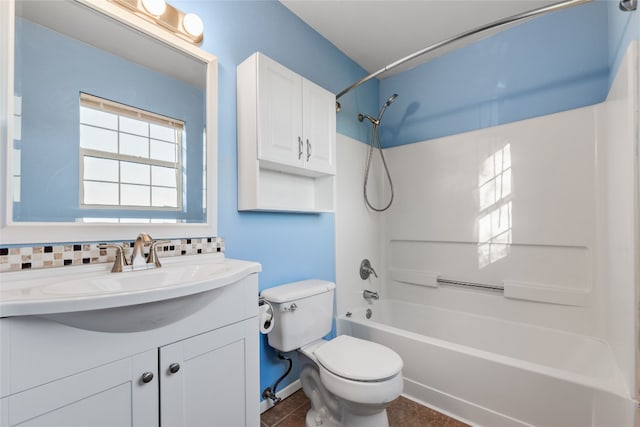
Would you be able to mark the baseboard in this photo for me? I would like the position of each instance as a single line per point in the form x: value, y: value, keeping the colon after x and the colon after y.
x: 457, y: 408
x: 267, y: 404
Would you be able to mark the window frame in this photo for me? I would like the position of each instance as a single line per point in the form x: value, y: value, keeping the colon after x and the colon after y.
x: 122, y: 110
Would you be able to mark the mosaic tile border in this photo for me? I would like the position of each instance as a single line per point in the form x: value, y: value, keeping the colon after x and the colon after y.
x: 47, y: 256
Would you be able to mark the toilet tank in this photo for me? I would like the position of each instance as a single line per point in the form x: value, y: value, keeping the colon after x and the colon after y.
x: 302, y: 313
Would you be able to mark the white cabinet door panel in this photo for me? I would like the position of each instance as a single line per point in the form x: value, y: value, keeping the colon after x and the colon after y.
x: 107, y: 408
x: 319, y: 128
x: 279, y: 113
x: 209, y: 388
x: 103, y: 396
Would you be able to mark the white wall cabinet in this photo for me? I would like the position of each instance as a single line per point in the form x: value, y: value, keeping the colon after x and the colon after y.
x: 200, y: 371
x: 286, y: 139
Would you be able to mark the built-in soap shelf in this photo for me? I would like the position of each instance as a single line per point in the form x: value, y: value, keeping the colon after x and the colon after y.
x: 511, y: 289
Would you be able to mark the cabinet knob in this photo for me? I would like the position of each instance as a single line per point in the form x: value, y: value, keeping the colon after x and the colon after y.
x: 308, y: 150
x: 174, y: 367
x: 147, y: 377
x: 299, y: 148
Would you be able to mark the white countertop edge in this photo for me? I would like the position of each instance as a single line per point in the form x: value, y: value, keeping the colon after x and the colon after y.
x: 239, y: 269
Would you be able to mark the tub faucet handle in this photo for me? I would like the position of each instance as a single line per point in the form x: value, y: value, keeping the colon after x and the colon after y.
x: 366, y: 270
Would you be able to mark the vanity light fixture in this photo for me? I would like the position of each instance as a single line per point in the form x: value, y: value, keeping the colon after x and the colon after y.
x: 193, y: 24
x: 188, y: 26
x: 155, y: 7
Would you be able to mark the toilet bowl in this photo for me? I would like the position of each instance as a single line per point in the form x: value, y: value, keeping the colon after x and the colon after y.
x: 361, y: 376
x: 349, y: 381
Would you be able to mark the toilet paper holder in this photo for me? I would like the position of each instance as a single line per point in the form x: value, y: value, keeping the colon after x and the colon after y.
x: 265, y: 315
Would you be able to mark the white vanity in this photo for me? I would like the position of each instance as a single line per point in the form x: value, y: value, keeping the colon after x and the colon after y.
x: 175, y: 346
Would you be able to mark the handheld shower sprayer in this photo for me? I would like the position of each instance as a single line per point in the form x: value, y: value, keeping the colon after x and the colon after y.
x: 375, y: 140
x: 386, y: 104
x: 374, y: 121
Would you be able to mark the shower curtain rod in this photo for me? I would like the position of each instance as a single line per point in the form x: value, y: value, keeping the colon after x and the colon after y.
x: 496, y: 24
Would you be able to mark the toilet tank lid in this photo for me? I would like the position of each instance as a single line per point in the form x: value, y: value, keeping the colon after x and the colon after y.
x: 297, y: 290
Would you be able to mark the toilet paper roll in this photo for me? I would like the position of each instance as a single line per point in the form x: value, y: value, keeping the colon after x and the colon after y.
x: 265, y: 316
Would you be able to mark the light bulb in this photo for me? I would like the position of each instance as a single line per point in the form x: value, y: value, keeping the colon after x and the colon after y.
x: 155, y: 7
x: 193, y: 24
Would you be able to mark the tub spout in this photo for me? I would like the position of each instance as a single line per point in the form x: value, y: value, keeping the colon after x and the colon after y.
x: 370, y: 295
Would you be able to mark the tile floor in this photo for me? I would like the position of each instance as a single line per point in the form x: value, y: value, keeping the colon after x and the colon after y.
x: 402, y: 412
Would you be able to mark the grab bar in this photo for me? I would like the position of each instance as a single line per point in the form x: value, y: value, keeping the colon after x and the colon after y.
x: 470, y: 284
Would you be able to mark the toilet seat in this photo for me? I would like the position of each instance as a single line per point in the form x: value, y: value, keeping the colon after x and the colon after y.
x: 358, y: 360
x: 362, y: 392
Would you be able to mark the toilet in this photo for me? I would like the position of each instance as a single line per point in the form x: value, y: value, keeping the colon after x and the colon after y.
x: 349, y: 381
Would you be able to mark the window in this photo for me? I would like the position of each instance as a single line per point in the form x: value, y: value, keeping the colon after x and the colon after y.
x: 130, y: 158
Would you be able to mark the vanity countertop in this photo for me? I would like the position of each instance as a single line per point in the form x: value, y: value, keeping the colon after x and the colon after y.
x: 94, y: 287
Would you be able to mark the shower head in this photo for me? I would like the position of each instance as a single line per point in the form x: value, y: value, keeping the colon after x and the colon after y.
x: 376, y: 122
x: 391, y: 99
x: 386, y: 104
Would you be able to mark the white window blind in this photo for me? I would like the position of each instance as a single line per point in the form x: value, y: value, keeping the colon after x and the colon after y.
x: 129, y: 158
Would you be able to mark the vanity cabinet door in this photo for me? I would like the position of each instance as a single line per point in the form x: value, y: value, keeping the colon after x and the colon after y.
x: 211, y: 379
x: 109, y: 395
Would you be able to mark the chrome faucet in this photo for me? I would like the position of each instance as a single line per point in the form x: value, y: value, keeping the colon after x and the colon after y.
x: 137, y: 256
x: 370, y: 295
x: 366, y: 270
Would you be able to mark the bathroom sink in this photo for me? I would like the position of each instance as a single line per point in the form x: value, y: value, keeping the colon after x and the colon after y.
x: 91, y: 297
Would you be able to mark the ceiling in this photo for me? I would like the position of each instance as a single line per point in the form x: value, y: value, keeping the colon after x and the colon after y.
x: 375, y: 33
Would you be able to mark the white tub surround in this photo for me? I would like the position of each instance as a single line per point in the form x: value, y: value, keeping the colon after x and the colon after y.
x: 358, y: 229
x: 505, y: 207
x: 618, y: 191
x: 498, y: 373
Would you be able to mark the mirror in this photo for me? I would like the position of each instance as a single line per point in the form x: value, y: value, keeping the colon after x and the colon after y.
x: 113, y: 124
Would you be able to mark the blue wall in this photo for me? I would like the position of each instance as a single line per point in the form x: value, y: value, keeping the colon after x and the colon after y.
x: 290, y: 247
x: 549, y: 64
x: 50, y: 87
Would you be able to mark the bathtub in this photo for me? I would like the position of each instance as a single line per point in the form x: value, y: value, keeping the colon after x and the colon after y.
x: 491, y: 372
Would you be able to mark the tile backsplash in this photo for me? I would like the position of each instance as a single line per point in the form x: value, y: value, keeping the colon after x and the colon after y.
x: 59, y: 255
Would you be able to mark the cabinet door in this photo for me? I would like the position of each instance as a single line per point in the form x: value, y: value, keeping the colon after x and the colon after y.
x: 204, y: 379
x: 319, y: 128
x: 279, y: 114
x: 110, y: 395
